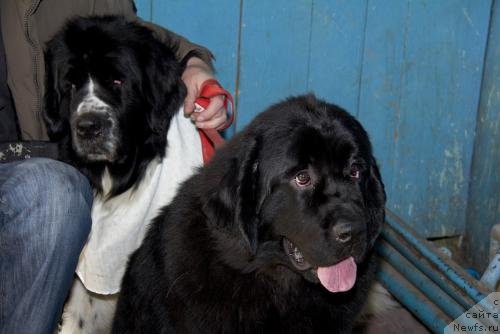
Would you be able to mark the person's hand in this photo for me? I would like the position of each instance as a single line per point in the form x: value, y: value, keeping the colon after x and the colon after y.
x: 214, y: 116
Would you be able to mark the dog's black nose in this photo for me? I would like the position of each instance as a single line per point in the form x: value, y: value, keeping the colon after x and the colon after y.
x: 89, y: 126
x: 342, y: 232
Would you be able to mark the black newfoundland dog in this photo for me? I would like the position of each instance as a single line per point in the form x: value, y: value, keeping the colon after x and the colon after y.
x: 112, y: 89
x: 273, y: 236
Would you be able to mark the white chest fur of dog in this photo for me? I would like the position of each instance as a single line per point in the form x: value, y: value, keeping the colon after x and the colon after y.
x: 118, y: 227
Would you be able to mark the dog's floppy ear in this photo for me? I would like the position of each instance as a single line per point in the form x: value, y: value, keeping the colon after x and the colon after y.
x: 53, y: 99
x: 164, y: 89
x: 233, y: 208
x: 375, y: 202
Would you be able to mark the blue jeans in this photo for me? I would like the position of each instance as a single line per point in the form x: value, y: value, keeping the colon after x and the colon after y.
x: 44, y: 223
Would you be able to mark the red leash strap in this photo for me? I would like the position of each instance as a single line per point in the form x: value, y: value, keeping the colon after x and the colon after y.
x: 210, y: 138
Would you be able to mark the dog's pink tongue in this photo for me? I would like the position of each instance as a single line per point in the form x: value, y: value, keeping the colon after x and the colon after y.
x: 339, y: 277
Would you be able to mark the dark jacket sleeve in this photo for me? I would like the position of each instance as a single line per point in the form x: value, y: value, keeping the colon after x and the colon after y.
x: 183, y: 46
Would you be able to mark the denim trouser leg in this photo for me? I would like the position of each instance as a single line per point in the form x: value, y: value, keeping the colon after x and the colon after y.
x: 44, y: 223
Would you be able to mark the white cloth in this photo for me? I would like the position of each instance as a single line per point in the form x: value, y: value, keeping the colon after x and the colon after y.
x: 119, y: 224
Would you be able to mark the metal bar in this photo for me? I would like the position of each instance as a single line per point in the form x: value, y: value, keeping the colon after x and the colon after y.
x: 416, y: 302
x: 427, y: 267
x: 452, y: 271
x: 419, y: 280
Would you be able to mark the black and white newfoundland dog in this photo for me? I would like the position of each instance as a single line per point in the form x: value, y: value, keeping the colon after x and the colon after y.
x: 113, y: 102
x: 111, y: 91
x: 274, y: 235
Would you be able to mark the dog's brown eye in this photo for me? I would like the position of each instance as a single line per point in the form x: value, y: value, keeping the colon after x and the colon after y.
x: 303, y: 179
x: 355, y: 172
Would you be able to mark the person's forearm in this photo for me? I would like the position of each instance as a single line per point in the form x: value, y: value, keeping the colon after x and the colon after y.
x: 199, y: 63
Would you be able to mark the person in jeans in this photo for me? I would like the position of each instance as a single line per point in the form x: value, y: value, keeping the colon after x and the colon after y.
x: 45, y: 205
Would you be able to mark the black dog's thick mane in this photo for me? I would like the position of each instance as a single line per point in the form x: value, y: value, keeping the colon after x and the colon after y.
x: 153, y: 86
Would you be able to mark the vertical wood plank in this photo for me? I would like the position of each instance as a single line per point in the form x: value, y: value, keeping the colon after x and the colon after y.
x: 336, y: 51
x: 144, y: 9
x: 381, y: 82
x: 275, y: 46
x: 483, y: 210
x: 435, y: 111
x: 211, y: 23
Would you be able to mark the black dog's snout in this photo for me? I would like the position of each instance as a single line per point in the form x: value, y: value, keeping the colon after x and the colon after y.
x: 343, y: 232
x: 89, y: 126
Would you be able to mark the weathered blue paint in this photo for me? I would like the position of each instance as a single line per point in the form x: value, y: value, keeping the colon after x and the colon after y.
x: 336, y: 51
x: 410, y: 70
x: 382, y: 78
x: 145, y: 9
x: 412, y: 298
x: 439, y: 297
x: 423, y: 107
x: 420, y: 281
x: 444, y: 272
x: 422, y: 275
x: 275, y: 44
x: 211, y: 23
x: 483, y: 210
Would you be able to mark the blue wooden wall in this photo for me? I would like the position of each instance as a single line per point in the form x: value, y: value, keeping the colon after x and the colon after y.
x: 418, y: 74
x: 484, y: 192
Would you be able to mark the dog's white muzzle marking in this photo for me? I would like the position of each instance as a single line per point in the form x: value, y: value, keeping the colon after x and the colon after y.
x: 94, y: 127
x: 91, y: 103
